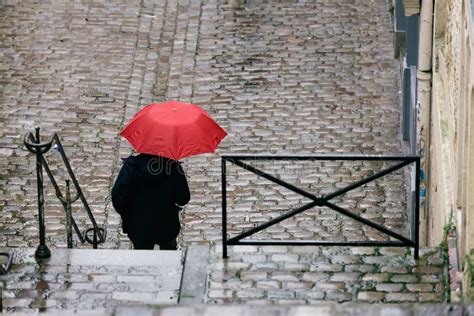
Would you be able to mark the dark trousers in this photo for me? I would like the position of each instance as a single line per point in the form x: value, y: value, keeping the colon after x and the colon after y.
x: 164, y: 245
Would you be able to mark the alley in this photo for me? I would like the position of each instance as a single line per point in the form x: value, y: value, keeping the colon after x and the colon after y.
x: 282, y: 77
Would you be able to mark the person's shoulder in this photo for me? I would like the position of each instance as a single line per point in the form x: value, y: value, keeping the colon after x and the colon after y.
x: 130, y: 160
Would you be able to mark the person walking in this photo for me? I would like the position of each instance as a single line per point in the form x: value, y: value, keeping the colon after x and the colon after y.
x: 151, y: 187
x: 148, y: 194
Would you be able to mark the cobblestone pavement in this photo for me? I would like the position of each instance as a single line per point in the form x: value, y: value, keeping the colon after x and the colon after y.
x: 308, y: 275
x: 73, y: 68
x: 87, y: 279
x: 287, y: 78
x: 295, y: 77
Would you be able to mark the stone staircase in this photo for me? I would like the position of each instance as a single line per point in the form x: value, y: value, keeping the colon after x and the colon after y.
x: 80, y: 280
x: 107, y: 280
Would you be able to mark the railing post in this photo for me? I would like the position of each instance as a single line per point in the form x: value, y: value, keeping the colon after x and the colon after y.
x: 94, y: 239
x: 417, y: 207
x: 42, y: 252
x: 224, y: 208
x: 68, y: 215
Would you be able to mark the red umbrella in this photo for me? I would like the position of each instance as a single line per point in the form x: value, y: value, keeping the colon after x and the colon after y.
x: 173, y: 130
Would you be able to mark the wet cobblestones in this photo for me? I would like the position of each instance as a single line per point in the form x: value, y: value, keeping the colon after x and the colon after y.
x: 308, y: 275
x: 66, y: 68
x: 315, y: 82
x: 293, y: 78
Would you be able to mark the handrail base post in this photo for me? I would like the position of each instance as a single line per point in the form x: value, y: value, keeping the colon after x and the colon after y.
x: 42, y: 252
x: 224, y: 251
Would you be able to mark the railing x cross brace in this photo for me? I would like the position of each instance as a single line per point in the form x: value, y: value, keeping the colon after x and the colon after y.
x: 318, y: 201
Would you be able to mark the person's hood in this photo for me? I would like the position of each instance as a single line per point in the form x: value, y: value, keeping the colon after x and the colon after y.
x: 151, y: 165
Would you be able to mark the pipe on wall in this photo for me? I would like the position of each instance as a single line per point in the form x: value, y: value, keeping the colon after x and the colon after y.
x: 424, y: 84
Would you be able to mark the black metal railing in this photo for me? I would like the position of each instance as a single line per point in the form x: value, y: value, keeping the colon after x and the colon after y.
x: 4, y: 268
x: 34, y: 145
x: 319, y: 201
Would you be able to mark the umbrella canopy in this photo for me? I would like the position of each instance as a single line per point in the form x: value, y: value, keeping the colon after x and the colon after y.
x: 173, y: 130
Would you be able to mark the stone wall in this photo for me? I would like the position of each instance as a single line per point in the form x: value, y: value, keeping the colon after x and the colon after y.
x: 451, y: 189
x: 452, y: 83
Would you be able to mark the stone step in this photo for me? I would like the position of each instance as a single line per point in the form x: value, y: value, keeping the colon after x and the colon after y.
x: 323, y: 309
x: 91, y: 279
x: 311, y: 275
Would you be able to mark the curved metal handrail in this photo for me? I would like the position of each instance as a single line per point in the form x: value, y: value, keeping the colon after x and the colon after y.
x: 5, y: 268
x: 94, y: 236
x: 35, y: 146
x: 78, y: 188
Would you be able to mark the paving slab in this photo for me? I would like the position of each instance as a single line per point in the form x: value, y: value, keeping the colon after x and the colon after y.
x: 91, y: 280
x: 322, y: 309
x: 195, y: 274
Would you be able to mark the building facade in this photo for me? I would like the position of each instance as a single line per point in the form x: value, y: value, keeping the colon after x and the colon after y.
x: 445, y: 121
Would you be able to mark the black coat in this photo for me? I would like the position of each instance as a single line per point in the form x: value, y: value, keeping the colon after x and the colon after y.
x: 148, y: 193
